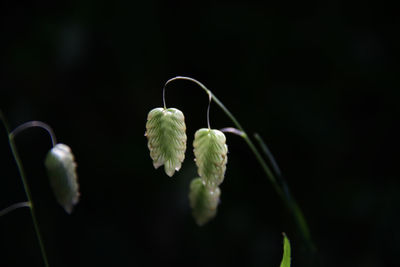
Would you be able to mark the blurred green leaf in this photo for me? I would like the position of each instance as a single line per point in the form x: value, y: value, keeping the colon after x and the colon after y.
x: 286, y: 252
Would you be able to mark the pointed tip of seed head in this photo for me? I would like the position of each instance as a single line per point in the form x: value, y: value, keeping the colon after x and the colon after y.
x: 169, y: 168
x: 170, y: 173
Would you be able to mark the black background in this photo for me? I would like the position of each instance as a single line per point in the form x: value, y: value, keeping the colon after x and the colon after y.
x: 318, y: 80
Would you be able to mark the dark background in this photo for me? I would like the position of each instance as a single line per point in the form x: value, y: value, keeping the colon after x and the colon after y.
x: 318, y: 80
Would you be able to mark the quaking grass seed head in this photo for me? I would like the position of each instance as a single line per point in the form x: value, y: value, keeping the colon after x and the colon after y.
x: 210, y: 150
x: 203, y: 201
x: 61, y: 168
x: 166, y: 135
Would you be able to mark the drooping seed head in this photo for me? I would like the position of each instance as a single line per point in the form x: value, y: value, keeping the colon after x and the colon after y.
x: 166, y: 134
x: 210, y: 151
x: 61, y: 168
x: 203, y: 200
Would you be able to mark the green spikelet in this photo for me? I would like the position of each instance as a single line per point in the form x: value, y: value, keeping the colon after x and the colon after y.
x: 203, y: 200
x: 165, y: 131
x: 210, y: 151
x: 61, y: 168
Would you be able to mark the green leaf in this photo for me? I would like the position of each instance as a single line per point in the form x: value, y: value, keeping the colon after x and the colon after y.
x: 203, y: 200
x: 286, y: 252
x: 210, y: 151
x: 166, y: 134
x: 61, y: 168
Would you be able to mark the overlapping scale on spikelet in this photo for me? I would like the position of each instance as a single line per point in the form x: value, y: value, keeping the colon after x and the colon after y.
x: 61, y: 168
x: 211, y: 151
x: 166, y: 134
x: 203, y: 201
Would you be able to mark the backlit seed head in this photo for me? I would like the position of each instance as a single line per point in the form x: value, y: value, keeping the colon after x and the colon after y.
x: 203, y: 200
x: 166, y: 134
x: 210, y: 151
x: 61, y: 168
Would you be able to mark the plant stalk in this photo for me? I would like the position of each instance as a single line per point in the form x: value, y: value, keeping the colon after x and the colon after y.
x: 18, y: 161
x: 15, y: 206
x: 292, y: 204
x: 283, y: 190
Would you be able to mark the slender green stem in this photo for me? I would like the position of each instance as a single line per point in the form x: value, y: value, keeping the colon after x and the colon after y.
x: 282, y: 191
x: 292, y: 205
x: 39, y: 124
x: 15, y: 206
x: 26, y: 188
x: 232, y: 130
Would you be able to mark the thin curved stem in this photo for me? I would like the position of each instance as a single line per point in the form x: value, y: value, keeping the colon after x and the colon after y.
x: 39, y: 124
x: 232, y: 130
x: 163, y: 98
x: 208, y: 111
x: 15, y: 206
x: 210, y: 95
x: 26, y: 187
x: 299, y: 217
x: 284, y: 193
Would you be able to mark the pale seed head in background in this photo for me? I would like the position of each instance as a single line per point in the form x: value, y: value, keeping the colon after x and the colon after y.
x: 61, y: 168
x: 203, y: 201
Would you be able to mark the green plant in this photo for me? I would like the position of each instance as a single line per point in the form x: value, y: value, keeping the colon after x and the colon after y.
x: 211, y: 159
x: 61, y: 167
x: 167, y: 138
x: 166, y: 134
x: 286, y: 252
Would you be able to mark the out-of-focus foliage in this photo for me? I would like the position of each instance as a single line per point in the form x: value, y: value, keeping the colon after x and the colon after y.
x: 286, y: 252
